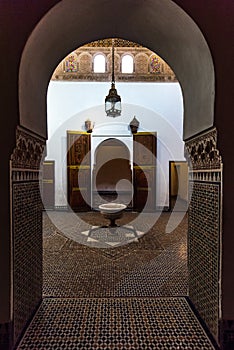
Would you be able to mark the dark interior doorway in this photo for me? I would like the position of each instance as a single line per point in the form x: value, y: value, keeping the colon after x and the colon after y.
x: 178, y: 185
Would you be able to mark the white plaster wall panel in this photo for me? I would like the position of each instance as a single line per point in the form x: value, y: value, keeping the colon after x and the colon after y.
x: 157, y: 106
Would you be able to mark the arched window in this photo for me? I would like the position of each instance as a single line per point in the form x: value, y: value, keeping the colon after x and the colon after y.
x: 99, y: 64
x: 127, y: 64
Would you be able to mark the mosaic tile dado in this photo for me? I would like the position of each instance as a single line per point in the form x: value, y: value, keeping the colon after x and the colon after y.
x: 204, y: 239
x: 204, y: 235
x: 27, y: 252
x: 114, y: 324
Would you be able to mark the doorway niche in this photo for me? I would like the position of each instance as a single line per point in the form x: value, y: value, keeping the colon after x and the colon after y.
x: 111, y: 164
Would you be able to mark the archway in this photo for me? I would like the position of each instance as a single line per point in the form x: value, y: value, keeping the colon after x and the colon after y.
x: 182, y: 50
x: 164, y: 34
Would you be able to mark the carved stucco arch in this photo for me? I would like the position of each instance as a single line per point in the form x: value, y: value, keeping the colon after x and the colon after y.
x: 107, y: 139
x: 141, y: 63
x: 117, y: 62
x: 168, y: 30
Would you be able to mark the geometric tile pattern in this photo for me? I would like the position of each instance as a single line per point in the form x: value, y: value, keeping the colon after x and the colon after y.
x: 27, y: 250
x: 112, y: 236
x: 153, y: 265
x: 204, y: 235
x: 164, y: 275
x: 91, y: 228
x: 26, y: 240
x: 204, y: 246
x: 143, y: 323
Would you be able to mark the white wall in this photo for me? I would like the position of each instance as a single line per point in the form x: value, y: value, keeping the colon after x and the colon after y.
x: 157, y: 106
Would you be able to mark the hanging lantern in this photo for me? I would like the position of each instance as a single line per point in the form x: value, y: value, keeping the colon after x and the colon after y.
x: 113, y: 100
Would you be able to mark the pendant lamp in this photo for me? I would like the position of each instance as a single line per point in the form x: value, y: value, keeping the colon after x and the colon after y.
x: 113, y: 100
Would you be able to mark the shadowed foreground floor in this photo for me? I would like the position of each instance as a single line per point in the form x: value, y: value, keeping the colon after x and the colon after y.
x: 116, y: 323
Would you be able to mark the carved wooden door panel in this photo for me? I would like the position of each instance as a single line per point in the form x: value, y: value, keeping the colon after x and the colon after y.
x: 144, y: 171
x: 48, y: 191
x: 78, y: 170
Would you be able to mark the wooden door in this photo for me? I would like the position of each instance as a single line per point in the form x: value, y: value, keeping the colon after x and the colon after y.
x: 178, y: 185
x: 78, y: 170
x: 144, y: 171
x: 48, y: 192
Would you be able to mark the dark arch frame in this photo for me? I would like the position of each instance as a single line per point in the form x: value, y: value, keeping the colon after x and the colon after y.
x: 173, y: 35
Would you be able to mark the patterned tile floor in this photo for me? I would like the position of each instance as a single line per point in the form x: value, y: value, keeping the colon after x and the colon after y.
x: 114, y: 324
x: 129, y: 296
x: 154, y: 264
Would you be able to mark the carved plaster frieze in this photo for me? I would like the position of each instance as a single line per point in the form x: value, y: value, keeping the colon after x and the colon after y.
x: 28, y: 151
x: 201, y: 152
x: 148, y: 67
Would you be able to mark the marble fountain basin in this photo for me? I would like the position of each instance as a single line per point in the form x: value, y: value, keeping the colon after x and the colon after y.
x: 112, y: 212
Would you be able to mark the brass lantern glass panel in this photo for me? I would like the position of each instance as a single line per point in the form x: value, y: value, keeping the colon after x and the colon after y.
x: 113, y: 103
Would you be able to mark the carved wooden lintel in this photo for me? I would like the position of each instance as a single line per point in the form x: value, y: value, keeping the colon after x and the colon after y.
x: 28, y: 151
x: 201, y: 152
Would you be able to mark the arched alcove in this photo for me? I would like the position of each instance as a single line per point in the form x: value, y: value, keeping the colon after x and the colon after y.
x: 112, y: 174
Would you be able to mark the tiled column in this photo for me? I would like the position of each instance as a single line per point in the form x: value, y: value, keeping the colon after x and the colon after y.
x: 204, y: 231
x: 26, y: 213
